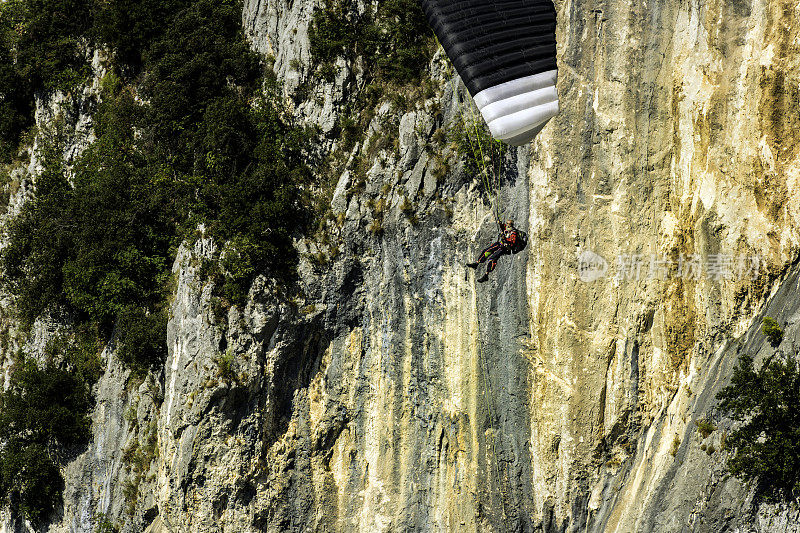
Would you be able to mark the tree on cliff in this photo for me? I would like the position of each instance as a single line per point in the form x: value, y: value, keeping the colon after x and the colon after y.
x: 767, y: 443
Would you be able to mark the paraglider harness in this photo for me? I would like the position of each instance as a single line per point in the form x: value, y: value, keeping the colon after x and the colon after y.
x: 513, y: 239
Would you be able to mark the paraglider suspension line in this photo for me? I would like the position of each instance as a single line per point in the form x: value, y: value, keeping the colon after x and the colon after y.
x: 487, y: 394
x: 491, y: 180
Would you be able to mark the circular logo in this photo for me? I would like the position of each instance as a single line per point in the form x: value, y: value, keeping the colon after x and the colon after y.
x: 591, y: 266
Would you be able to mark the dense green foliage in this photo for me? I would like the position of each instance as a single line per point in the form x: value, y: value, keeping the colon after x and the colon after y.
x: 46, y: 36
x: 773, y: 332
x: 43, y: 414
x: 16, y: 102
x: 32, y: 261
x: 99, y: 245
x: 767, y: 444
x: 210, y: 147
x: 130, y: 26
x: 42, y: 48
x: 394, y: 38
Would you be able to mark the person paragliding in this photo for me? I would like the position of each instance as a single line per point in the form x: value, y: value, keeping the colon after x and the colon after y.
x: 505, y: 53
x: 510, y: 241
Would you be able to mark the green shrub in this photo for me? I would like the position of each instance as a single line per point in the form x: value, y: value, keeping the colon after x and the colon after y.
x: 394, y: 39
x: 705, y: 426
x: 39, y: 240
x: 30, y: 481
x: 773, y: 332
x: 405, y: 40
x: 43, y: 410
x: 676, y: 444
x: 103, y: 524
x: 130, y: 26
x: 238, y: 263
x: 16, y: 102
x: 349, y: 132
x: 143, y: 338
x: 200, y: 65
x: 482, y: 155
x: 45, y: 36
x: 78, y: 352
x: 334, y: 31
x: 767, y: 444
x: 123, y: 222
x: 225, y: 366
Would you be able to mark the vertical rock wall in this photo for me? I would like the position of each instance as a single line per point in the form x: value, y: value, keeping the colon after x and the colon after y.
x: 554, y: 403
x: 670, y: 138
x: 399, y: 396
x: 539, y: 400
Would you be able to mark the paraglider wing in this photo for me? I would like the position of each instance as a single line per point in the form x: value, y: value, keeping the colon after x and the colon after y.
x: 505, y: 52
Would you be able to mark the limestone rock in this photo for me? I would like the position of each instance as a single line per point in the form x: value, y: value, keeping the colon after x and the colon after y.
x: 395, y: 394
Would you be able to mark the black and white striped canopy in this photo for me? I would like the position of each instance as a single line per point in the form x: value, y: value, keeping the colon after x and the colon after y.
x: 505, y: 52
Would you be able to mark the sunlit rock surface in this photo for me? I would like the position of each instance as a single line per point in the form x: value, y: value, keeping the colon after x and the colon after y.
x: 399, y: 396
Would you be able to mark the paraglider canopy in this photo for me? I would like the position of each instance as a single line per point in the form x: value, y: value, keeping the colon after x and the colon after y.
x: 505, y: 52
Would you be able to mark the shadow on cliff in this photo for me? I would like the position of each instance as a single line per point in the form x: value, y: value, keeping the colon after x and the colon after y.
x: 305, y: 340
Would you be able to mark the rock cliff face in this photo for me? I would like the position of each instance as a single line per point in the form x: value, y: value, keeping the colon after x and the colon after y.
x: 399, y: 396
